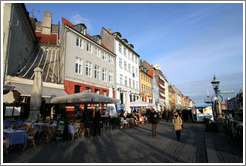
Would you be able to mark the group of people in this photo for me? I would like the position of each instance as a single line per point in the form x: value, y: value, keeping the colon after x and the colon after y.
x: 176, y: 120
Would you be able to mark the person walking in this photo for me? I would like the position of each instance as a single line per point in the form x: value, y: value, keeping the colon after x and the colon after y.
x: 87, y: 120
x: 154, y: 116
x: 177, y: 122
x: 97, y: 121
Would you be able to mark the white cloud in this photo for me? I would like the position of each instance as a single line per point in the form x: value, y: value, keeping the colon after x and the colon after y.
x: 77, y: 18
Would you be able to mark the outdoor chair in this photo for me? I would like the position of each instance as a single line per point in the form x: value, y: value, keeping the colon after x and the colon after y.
x: 79, y: 131
x: 52, y: 133
x: 5, y: 143
x: 59, y: 132
x: 45, y: 133
x: 26, y: 127
x: 31, y: 135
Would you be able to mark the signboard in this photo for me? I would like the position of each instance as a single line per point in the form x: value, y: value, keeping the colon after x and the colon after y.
x: 226, y: 91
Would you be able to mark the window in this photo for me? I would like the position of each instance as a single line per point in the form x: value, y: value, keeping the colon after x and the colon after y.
x: 104, y: 56
x: 125, y: 81
x: 130, y: 55
x: 136, y: 84
x: 125, y: 51
x: 88, y: 47
x: 130, y: 83
x: 110, y: 76
x: 77, y: 89
x: 97, y: 52
x: 78, y: 65
x: 79, y: 42
x: 120, y: 62
x: 121, y: 79
x: 144, y: 78
x: 110, y: 59
x: 96, y: 72
x: 142, y: 87
x: 133, y: 84
x: 97, y: 91
x: 125, y: 65
x: 136, y: 60
x: 88, y: 89
x: 88, y: 69
x: 137, y: 72
x: 141, y: 76
x: 129, y: 67
x: 120, y: 48
x: 104, y: 93
x: 104, y: 74
x: 133, y: 70
x: 133, y: 56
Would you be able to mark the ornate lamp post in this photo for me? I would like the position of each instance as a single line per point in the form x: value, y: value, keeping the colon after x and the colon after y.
x: 215, y: 83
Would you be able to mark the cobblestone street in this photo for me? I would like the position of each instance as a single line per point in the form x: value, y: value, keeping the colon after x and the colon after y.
x: 134, y: 145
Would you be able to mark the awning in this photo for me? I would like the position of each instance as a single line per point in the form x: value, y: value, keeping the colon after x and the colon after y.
x: 7, y: 88
x: 83, y: 98
x: 48, y: 92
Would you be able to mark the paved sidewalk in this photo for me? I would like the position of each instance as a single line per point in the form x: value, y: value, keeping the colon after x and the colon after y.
x: 128, y: 145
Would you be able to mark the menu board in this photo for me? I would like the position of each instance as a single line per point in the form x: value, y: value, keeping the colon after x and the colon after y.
x: 17, y: 111
x: 8, y: 111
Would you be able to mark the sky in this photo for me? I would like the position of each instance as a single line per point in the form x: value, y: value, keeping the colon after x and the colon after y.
x: 191, y: 41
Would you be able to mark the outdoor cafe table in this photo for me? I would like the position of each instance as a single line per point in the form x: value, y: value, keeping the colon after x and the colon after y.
x: 39, y: 126
x: 15, y: 137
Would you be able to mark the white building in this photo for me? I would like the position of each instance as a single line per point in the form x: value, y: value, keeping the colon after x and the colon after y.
x: 127, y: 65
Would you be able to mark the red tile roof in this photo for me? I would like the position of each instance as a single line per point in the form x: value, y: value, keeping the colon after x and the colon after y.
x: 46, y: 39
x: 88, y: 35
x: 67, y: 22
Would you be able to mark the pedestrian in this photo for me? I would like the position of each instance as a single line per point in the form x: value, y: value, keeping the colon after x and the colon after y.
x: 154, y: 116
x: 177, y: 122
x: 167, y: 115
x: 97, y: 122
x: 87, y: 119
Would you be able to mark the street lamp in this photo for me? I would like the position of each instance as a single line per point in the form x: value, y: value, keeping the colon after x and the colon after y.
x: 215, y: 84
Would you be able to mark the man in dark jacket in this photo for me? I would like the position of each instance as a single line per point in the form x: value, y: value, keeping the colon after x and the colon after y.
x: 97, y: 122
x: 87, y: 119
x: 154, y: 120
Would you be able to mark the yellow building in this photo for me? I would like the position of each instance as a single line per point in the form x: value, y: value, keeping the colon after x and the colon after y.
x: 145, y: 85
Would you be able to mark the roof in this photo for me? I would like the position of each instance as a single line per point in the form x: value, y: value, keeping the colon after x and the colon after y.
x: 67, y: 22
x: 46, y: 39
x: 87, y: 35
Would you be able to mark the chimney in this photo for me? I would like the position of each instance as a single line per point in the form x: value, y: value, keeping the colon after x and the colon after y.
x: 47, y: 23
x: 110, y: 31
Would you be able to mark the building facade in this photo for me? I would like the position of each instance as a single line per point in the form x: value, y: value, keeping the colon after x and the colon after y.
x: 127, y: 66
x: 86, y: 63
x: 18, y: 38
x: 145, y: 84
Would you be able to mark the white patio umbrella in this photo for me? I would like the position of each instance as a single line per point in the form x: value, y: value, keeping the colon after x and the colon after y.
x: 36, y: 95
x: 127, y: 104
x: 111, y: 107
x: 139, y: 103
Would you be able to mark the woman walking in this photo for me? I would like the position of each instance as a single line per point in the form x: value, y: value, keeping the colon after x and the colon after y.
x: 177, y: 121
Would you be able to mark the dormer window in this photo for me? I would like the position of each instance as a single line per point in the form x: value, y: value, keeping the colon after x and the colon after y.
x: 81, y: 28
x: 97, y: 39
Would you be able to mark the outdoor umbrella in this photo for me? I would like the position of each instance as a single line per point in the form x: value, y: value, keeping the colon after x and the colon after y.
x: 83, y: 98
x: 36, y: 95
x: 139, y: 103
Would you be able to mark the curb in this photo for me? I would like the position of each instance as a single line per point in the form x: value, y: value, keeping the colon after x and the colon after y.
x: 211, y: 152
